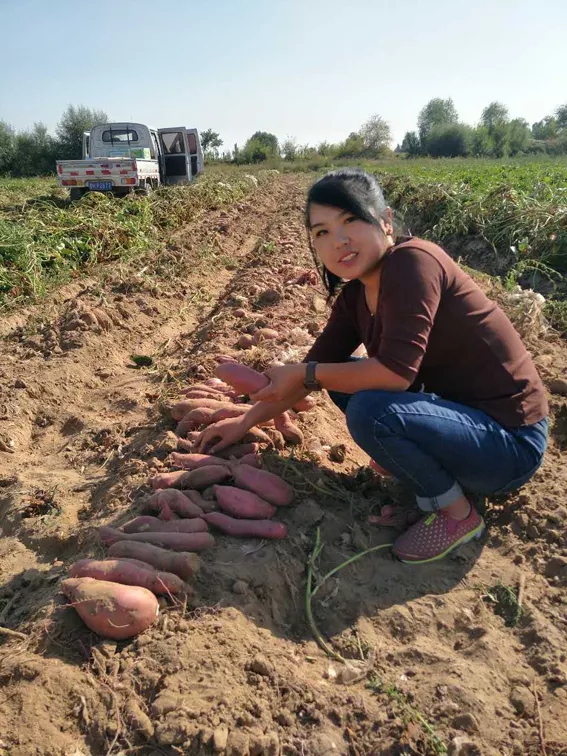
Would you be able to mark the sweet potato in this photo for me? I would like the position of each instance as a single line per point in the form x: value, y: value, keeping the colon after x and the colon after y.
x: 129, y: 572
x: 244, y: 379
x: 146, y: 524
x: 193, y: 420
x: 175, y: 541
x: 184, y: 407
x: 235, y: 411
x: 110, y: 609
x: 288, y: 430
x: 184, y: 565
x: 246, y: 341
x: 305, y: 404
x: 245, y: 504
x: 206, y: 505
x: 265, y: 484
x: 250, y: 459
x: 187, y: 444
x: 166, y: 480
x: 256, y: 435
x: 276, y: 438
x: 194, y: 461
x: 203, y: 477
x: 246, y: 528
x: 265, y: 334
x: 238, y: 451
x: 170, y: 502
x: 204, y: 394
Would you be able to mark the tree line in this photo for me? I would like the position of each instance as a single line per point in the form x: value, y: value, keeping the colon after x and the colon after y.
x: 33, y: 152
x: 439, y: 133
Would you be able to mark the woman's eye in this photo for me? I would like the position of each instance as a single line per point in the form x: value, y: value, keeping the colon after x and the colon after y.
x: 320, y: 233
x: 350, y: 218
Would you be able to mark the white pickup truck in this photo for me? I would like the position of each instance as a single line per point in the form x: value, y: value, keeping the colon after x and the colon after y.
x: 126, y: 157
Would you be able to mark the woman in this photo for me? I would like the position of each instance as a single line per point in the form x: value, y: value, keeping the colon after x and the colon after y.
x: 448, y: 401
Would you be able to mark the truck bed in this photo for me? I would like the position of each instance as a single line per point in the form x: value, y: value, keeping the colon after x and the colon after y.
x: 119, y: 171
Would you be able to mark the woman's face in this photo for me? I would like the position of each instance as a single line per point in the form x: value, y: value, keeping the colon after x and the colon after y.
x: 346, y: 245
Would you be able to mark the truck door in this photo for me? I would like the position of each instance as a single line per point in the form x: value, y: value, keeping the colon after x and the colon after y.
x: 195, y: 151
x: 86, y: 135
x: 177, y: 162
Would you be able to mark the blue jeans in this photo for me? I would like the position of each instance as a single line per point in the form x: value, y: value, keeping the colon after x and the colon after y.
x: 438, y: 448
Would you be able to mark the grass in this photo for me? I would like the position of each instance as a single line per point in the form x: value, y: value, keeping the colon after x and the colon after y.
x: 45, y: 239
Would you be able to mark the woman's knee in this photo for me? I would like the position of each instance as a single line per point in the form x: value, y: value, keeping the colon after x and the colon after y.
x: 364, y: 409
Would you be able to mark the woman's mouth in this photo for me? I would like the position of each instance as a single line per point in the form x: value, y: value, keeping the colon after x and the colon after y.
x: 348, y: 258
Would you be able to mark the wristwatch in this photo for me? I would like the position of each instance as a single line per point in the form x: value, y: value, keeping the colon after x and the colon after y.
x: 311, y: 383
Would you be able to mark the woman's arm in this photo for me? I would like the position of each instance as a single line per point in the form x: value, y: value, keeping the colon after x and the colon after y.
x: 346, y: 377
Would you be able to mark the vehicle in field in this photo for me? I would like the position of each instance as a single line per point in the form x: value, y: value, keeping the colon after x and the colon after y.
x: 125, y: 157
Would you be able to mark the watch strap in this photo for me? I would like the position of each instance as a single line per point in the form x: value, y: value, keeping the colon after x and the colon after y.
x: 311, y: 383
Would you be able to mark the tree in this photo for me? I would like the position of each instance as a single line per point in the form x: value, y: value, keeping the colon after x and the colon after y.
x: 411, y: 144
x: 74, y: 121
x: 7, y: 142
x: 547, y: 128
x: 494, y: 115
x: 289, y: 148
x: 500, y: 140
x: 270, y: 141
x: 449, y: 140
x: 210, y: 142
x: 481, y: 143
x: 352, y: 147
x: 518, y: 135
x: 437, y: 112
x: 34, y: 153
x: 561, y: 115
x: 376, y: 135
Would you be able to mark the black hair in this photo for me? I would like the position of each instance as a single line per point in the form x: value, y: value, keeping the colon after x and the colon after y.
x: 350, y: 189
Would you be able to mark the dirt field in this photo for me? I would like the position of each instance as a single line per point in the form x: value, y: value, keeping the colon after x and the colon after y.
x: 467, y: 656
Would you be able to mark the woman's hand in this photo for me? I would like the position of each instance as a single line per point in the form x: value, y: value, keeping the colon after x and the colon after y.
x: 221, y: 435
x: 285, y: 382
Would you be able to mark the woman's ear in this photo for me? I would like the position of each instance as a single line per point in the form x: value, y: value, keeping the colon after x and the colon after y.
x: 388, y: 222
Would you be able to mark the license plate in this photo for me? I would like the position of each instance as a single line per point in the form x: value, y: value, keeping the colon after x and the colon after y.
x: 100, y: 186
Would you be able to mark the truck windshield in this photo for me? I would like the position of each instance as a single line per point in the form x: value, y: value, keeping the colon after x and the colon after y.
x: 119, y: 135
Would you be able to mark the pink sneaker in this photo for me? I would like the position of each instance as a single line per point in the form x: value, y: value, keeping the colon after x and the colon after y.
x: 435, y: 535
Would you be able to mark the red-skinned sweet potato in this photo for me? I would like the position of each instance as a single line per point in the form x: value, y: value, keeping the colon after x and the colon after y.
x: 237, y: 410
x: 265, y: 484
x: 243, y: 504
x: 244, y: 379
x: 170, y: 502
x: 246, y: 528
x: 200, y: 478
x: 184, y: 565
x: 147, y: 524
x: 193, y: 461
x: 193, y: 420
x: 184, y: 407
x: 237, y: 451
x: 174, y: 541
x: 288, y: 430
x: 129, y: 572
x: 110, y: 609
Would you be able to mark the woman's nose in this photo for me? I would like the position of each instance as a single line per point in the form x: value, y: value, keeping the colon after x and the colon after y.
x: 341, y: 239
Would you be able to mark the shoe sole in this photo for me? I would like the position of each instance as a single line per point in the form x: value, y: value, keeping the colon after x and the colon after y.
x: 476, y: 533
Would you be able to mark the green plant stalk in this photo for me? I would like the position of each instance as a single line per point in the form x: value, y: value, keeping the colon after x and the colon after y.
x: 310, y: 591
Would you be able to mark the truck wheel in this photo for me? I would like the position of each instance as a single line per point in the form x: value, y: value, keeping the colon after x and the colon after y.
x: 145, y: 189
x: 75, y: 193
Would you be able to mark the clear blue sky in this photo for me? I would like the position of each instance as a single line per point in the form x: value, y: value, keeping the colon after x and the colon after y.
x: 312, y: 69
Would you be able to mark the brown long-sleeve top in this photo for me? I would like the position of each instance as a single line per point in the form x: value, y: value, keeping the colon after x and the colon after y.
x: 435, y: 327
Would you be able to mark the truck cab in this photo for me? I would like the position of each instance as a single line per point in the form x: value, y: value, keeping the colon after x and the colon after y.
x: 123, y: 156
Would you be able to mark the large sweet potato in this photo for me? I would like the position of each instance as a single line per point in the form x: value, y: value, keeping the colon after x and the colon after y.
x: 289, y: 430
x: 182, y: 408
x: 246, y: 528
x: 244, y: 379
x: 129, y: 572
x: 245, y: 504
x: 147, y: 524
x: 265, y: 484
x: 171, y: 501
x: 192, y: 461
x: 110, y: 609
x: 175, y: 541
x: 185, y: 565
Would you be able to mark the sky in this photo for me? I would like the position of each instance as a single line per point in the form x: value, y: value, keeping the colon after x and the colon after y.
x: 314, y: 70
